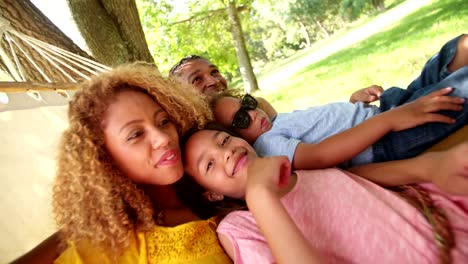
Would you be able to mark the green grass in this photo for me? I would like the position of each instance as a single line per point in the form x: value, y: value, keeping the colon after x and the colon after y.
x: 392, y: 57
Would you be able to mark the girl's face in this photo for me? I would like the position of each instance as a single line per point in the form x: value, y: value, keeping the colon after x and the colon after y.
x: 203, y: 75
x: 218, y: 162
x: 142, y: 140
x: 227, y: 107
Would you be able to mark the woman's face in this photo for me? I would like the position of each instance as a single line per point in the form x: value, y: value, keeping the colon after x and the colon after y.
x: 203, y: 75
x: 142, y: 139
x: 218, y: 162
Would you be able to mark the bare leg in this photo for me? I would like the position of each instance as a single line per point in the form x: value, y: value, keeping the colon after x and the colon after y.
x: 461, y: 56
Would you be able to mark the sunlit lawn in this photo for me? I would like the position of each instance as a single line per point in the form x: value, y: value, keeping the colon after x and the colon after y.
x: 389, y: 58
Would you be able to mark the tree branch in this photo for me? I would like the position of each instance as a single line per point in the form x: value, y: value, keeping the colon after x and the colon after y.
x: 206, y: 14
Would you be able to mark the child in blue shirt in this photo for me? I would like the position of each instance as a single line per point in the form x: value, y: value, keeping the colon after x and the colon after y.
x: 406, y: 123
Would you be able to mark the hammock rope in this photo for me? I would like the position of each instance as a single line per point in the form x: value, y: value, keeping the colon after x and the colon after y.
x: 72, y: 67
x: 60, y: 69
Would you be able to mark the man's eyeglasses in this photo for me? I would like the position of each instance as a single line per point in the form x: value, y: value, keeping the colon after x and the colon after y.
x: 242, y: 118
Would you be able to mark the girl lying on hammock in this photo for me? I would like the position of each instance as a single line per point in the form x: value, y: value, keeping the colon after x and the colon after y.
x: 308, y: 215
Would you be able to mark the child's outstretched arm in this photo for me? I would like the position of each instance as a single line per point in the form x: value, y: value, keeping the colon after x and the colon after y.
x: 266, y: 176
x: 347, y: 144
x: 447, y: 169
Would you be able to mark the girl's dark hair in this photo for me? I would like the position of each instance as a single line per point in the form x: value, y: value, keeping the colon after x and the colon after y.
x: 192, y: 194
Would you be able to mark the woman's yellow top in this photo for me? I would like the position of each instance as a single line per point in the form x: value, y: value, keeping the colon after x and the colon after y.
x: 194, y: 242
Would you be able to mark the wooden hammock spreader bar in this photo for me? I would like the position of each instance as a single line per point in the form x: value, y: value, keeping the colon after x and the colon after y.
x: 22, y: 87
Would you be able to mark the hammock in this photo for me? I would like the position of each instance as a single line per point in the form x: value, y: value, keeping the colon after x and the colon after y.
x: 64, y: 71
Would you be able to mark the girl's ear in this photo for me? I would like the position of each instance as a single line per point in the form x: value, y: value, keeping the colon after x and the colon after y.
x: 212, y: 196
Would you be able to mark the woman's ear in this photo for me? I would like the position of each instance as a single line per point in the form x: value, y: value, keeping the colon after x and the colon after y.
x: 212, y: 196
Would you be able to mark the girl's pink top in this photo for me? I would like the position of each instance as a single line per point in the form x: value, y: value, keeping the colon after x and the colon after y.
x: 352, y: 220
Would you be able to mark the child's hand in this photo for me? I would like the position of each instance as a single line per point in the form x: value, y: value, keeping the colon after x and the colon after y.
x: 449, y: 169
x: 424, y: 110
x: 269, y: 174
x: 367, y: 95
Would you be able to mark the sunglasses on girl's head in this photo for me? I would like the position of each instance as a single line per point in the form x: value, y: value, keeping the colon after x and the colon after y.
x: 242, y: 118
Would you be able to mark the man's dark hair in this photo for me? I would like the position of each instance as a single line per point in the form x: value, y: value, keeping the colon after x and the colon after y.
x: 175, y: 69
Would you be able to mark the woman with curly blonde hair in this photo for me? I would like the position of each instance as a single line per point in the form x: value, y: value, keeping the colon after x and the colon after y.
x: 114, y: 195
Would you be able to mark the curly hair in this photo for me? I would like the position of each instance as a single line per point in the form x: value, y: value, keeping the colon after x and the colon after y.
x: 92, y: 199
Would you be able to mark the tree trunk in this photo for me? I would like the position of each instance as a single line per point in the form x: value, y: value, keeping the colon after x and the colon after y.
x: 248, y: 76
x: 323, y: 30
x: 379, y: 5
x: 305, y: 33
x: 24, y: 17
x: 112, y: 30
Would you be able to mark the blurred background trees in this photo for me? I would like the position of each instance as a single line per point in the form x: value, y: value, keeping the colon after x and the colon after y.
x: 240, y: 36
x: 271, y: 29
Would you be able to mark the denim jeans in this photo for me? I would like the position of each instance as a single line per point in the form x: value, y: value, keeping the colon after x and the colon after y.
x: 434, y: 76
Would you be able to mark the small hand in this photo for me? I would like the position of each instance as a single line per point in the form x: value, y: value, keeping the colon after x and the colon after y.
x: 424, y: 110
x: 449, y: 169
x: 367, y: 95
x: 270, y: 174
